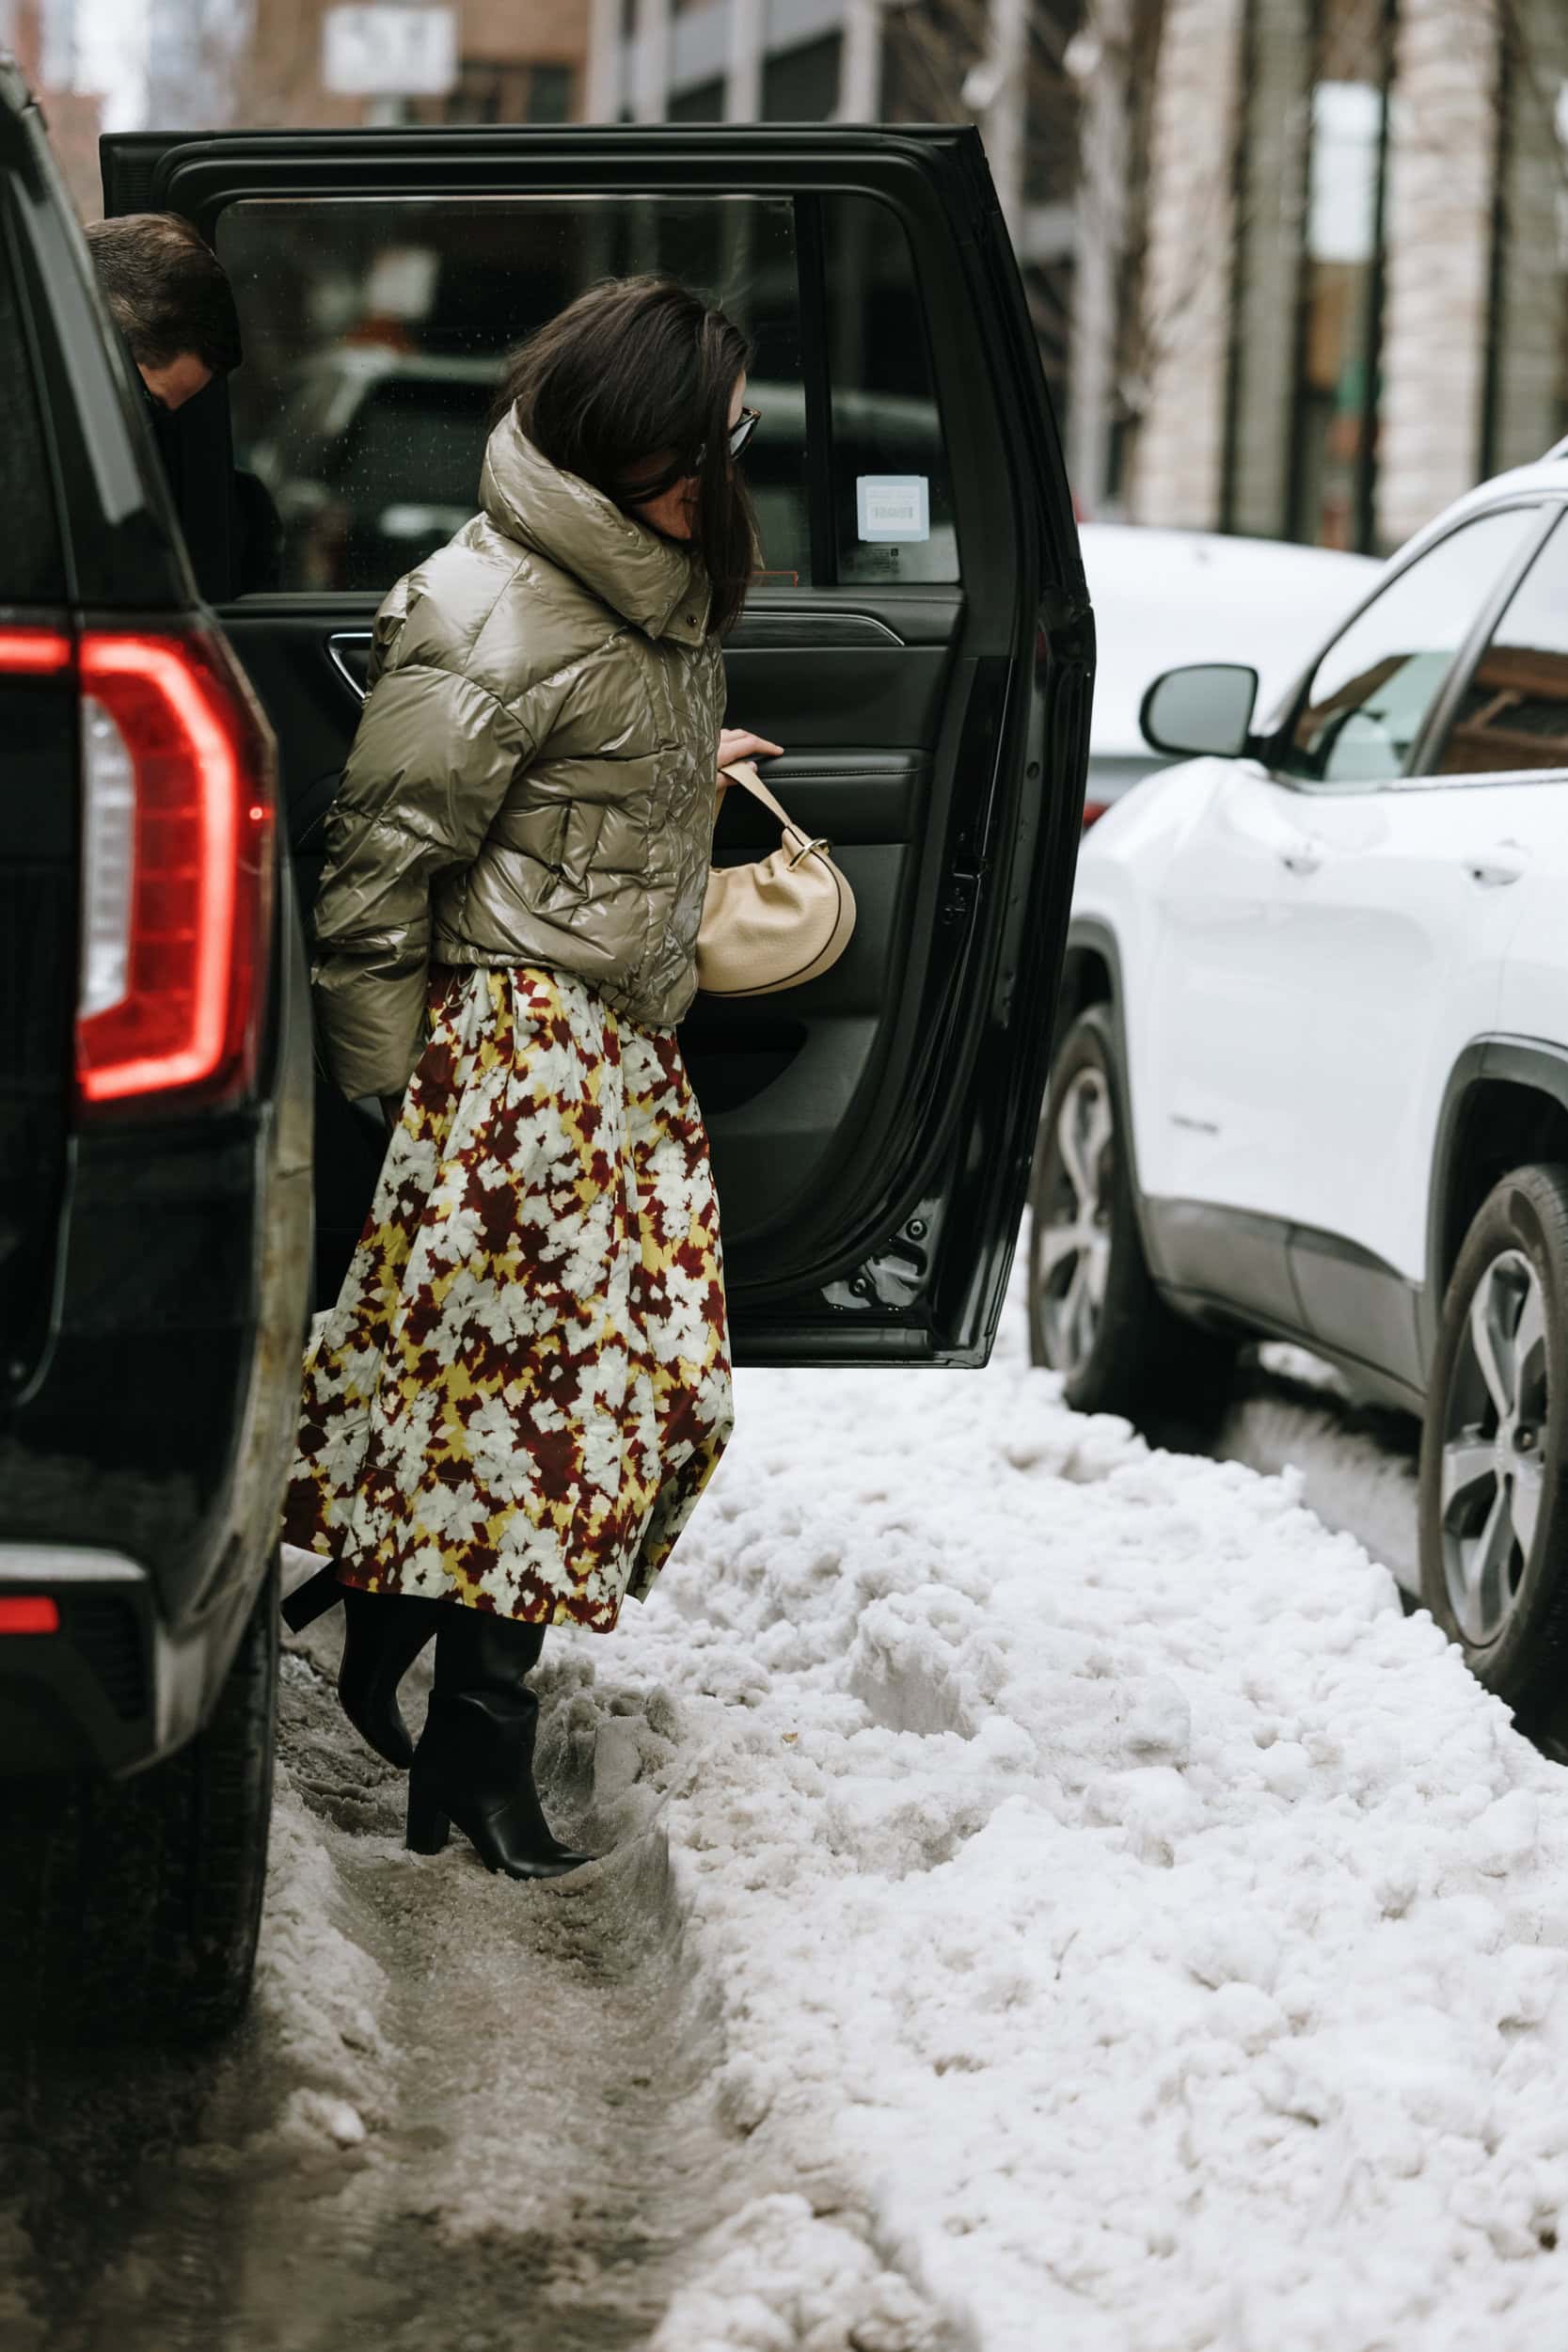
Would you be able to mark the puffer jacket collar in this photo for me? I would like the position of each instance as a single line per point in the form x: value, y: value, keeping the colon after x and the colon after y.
x: 566, y: 520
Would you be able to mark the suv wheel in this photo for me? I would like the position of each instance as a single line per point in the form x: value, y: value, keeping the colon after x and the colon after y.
x: 1094, y: 1314
x: 132, y: 1908
x: 1493, y: 1491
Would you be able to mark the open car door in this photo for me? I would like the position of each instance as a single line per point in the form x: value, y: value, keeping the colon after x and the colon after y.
x: 918, y: 638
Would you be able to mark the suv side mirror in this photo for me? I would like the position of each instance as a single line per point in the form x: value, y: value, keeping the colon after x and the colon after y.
x: 1204, y: 710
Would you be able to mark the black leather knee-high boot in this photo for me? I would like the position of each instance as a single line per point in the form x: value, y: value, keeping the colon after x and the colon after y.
x: 382, y: 1634
x: 474, y: 1763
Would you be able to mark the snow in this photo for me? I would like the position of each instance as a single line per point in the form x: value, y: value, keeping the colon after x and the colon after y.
x: 1162, y: 1942
x: 320, y: 1994
x: 1104, y: 1921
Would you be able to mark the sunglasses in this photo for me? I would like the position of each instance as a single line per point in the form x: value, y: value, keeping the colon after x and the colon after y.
x: 740, y: 433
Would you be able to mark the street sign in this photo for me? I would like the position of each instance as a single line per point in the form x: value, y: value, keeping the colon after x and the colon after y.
x: 388, y: 50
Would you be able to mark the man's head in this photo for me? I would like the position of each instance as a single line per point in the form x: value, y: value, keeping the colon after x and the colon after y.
x: 170, y: 299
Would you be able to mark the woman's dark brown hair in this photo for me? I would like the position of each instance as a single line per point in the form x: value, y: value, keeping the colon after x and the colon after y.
x: 629, y: 386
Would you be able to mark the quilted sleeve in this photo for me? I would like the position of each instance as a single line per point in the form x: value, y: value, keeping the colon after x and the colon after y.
x: 429, y: 768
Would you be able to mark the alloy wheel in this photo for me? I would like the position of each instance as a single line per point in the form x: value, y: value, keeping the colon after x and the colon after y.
x: 1493, y: 1446
x: 1072, y: 1261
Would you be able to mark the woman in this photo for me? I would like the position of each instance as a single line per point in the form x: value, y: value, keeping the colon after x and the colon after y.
x: 525, y: 1385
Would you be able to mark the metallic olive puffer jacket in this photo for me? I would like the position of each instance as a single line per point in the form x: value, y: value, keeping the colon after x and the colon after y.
x: 533, y: 777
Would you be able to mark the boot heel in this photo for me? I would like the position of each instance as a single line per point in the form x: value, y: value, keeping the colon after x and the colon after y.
x: 311, y: 1601
x: 429, y: 1823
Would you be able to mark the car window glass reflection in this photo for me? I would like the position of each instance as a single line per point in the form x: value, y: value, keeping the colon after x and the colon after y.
x: 376, y: 336
x: 1371, y: 692
x: 1513, y: 714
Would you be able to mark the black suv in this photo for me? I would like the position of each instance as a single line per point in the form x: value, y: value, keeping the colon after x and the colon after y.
x: 154, y: 1190
x: 918, y: 638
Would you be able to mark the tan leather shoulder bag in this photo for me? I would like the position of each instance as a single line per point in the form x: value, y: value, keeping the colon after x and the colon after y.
x: 776, y: 924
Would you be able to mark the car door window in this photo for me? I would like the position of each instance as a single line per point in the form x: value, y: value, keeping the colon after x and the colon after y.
x: 377, y: 338
x: 1370, y: 696
x: 1512, y: 715
x: 891, y: 504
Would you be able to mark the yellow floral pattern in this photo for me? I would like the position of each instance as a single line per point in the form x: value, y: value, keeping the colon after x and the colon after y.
x: 525, y: 1385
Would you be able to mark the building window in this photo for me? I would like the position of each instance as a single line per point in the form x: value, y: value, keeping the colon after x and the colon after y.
x: 802, y: 85
x: 703, y: 103
x: 491, y: 91
x: 1309, y: 178
x: 549, y: 94
x: 1336, y: 378
x: 1525, y: 404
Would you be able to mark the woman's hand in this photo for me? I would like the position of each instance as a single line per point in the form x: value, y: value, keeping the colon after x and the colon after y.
x: 738, y: 743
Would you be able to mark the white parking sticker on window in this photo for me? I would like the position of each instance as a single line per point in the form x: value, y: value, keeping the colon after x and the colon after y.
x: 892, y: 508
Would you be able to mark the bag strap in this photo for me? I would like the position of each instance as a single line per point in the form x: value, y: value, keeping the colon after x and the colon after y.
x: 744, y: 774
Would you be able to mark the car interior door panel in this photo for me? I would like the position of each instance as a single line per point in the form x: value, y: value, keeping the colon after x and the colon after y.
x: 776, y: 1077
x: 913, y: 672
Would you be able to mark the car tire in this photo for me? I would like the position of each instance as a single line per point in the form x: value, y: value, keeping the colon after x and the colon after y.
x: 130, y: 1909
x: 1494, y: 1478
x: 1094, y: 1313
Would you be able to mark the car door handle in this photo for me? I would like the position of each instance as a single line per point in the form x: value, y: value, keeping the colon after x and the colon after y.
x: 349, y: 652
x: 1494, y: 869
x: 1300, y: 854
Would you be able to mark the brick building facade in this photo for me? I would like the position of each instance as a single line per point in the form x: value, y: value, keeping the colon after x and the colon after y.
x: 224, y: 63
x: 518, y: 61
x: 74, y: 115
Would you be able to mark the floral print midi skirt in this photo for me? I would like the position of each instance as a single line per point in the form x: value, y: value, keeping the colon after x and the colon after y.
x: 525, y: 1384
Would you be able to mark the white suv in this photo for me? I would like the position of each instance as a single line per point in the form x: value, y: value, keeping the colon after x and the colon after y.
x: 1313, y: 1071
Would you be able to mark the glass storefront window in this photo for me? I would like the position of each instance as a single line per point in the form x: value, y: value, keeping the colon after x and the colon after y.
x: 1337, y: 387
x: 1527, y: 384
x: 1301, y: 438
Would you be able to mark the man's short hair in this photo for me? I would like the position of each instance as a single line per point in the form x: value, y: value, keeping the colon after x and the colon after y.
x: 166, y: 290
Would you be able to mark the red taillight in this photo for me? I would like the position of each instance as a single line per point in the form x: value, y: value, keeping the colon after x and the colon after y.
x: 29, y: 1613
x: 1093, y: 810
x: 176, y: 792
x: 34, y: 652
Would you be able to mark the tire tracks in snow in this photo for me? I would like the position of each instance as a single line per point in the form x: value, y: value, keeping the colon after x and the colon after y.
x: 1358, y: 1465
x: 1287, y: 1411
x: 463, y: 2110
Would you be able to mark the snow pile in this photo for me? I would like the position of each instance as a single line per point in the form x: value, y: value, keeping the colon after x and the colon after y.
x: 318, y: 1997
x: 778, y: 2279
x: 1129, y: 1930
